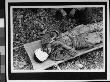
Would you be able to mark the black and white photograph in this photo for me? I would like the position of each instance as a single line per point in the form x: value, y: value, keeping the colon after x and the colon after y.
x: 56, y: 38
x: 61, y: 38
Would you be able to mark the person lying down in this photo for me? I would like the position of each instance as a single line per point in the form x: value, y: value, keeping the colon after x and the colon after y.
x: 65, y: 45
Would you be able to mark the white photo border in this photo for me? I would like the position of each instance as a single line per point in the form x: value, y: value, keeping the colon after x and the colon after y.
x: 7, y: 68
